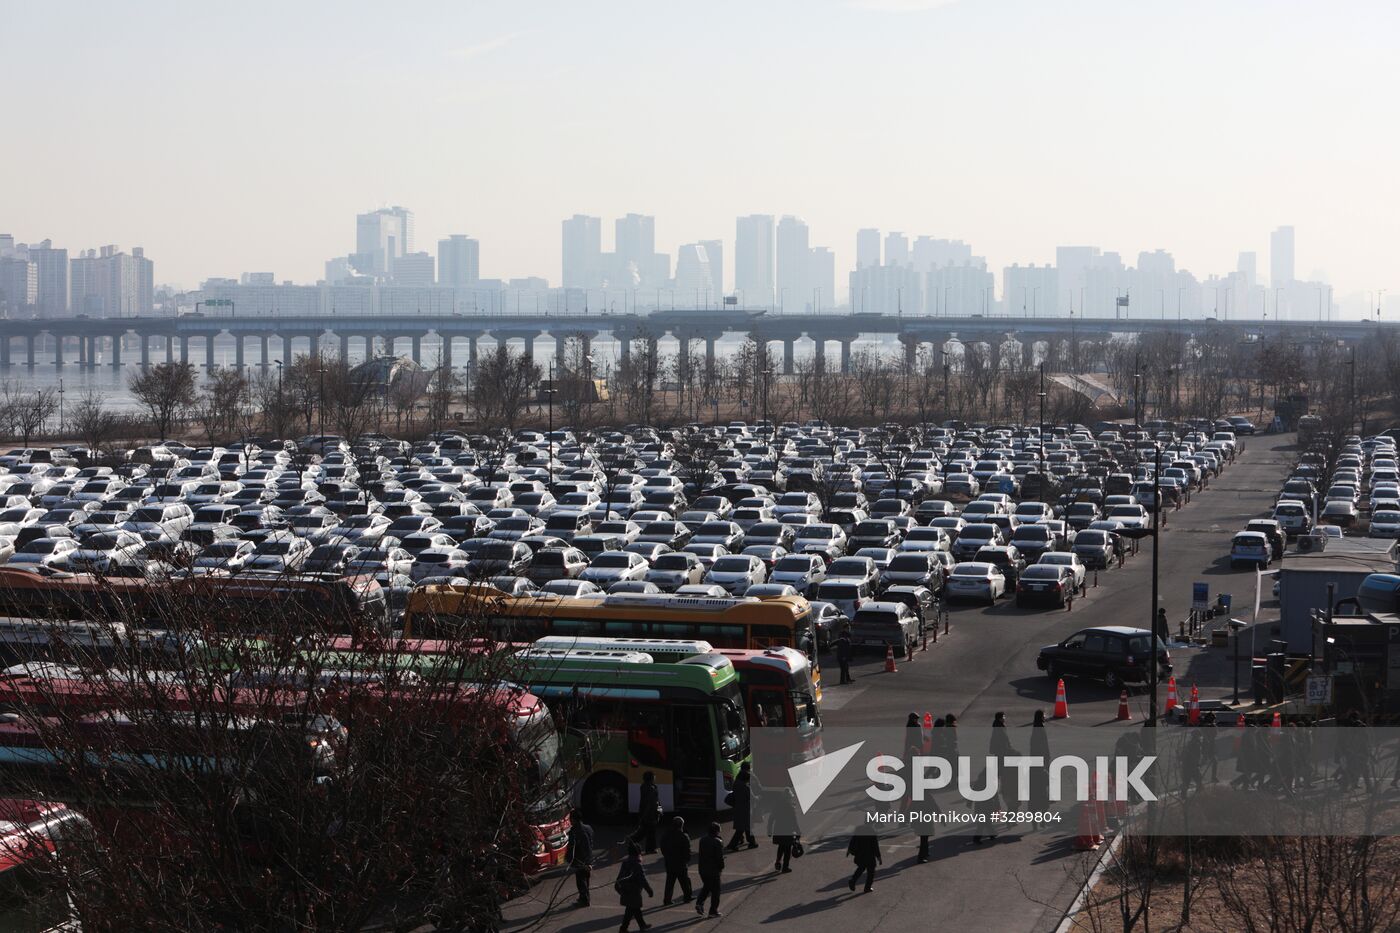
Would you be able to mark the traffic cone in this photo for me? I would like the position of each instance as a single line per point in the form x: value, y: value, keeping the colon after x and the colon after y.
x: 889, y: 660
x: 1124, y: 714
x: 1171, y: 694
x: 928, y: 732
x: 1193, y: 709
x: 1061, y: 704
x: 1278, y: 720
x: 1086, y: 839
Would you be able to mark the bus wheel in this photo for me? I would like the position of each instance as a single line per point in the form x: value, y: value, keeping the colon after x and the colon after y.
x: 605, y: 798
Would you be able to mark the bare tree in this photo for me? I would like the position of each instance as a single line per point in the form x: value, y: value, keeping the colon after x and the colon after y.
x: 443, y: 391
x: 503, y: 385
x: 166, y: 391
x: 221, y: 403
x: 25, y: 411
x: 93, y: 423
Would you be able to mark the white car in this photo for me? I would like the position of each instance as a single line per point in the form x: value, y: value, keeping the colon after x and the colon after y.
x: 674, y: 570
x: 228, y: 555
x: 737, y: 572
x: 611, y: 567
x: 1385, y: 524
x: 440, y: 561
x: 799, y: 571
x: 1067, y: 559
x: 108, y: 551
x: 44, y: 552
x: 283, y: 553
x: 974, y: 580
x: 825, y: 539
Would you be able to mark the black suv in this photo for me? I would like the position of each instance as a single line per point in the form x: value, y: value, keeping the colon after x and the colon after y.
x: 1114, y: 654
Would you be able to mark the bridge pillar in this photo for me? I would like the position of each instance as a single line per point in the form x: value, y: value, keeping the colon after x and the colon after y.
x: 911, y: 353
x: 57, y: 350
x: 170, y: 348
x: 388, y: 343
x: 530, y: 347
x: 788, y: 347
x: 209, y: 352
x: 344, y: 347
x: 445, y: 351
x: 30, y: 346
x: 117, y: 350
x: 82, y: 351
x: 94, y: 348
x: 683, y: 358
x: 624, y: 349
x: 710, y: 357
x: 5, y: 352
x: 471, y: 352
x: 184, y: 350
x: 819, y: 356
x: 845, y: 357
x: 561, y: 344
x: 417, y: 348
x: 263, y: 340
x: 286, y: 350
x: 238, y: 352
x: 145, y: 351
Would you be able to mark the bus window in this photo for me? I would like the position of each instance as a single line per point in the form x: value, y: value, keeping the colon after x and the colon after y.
x: 766, y: 707
x: 646, y: 736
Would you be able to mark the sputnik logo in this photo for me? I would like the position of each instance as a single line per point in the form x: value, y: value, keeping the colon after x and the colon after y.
x: 811, y: 778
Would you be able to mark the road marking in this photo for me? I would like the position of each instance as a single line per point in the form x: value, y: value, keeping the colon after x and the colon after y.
x: 835, y: 698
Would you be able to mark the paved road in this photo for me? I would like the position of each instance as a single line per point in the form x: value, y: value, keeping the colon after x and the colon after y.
x: 986, y: 664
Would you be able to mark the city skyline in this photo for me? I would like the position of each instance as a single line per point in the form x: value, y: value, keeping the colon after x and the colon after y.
x: 1122, y: 139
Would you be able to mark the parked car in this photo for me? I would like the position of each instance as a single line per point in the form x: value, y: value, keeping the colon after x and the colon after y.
x: 1042, y: 584
x: 1250, y: 547
x: 886, y: 624
x: 975, y: 580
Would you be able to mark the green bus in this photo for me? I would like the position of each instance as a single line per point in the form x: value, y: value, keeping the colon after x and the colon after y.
x: 622, y: 714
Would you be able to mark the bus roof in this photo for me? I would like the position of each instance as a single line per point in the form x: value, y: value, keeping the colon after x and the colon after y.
x: 621, y: 606
x: 657, y: 648
x: 789, y: 660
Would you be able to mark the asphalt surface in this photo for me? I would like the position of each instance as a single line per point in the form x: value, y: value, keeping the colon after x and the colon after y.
x: 984, y: 665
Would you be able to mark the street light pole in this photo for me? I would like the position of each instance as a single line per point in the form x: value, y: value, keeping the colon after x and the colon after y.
x: 1042, y: 424
x: 1156, y: 558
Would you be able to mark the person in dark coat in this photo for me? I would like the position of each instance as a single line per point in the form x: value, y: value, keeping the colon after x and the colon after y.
x: 743, y: 809
x: 938, y: 748
x: 782, y: 826
x: 711, y: 866
x: 631, y: 882
x: 843, y: 656
x: 1040, y: 748
x: 579, y: 855
x: 648, y: 813
x: 675, y: 854
x: 1164, y: 629
x: 1000, y: 748
x: 864, y: 847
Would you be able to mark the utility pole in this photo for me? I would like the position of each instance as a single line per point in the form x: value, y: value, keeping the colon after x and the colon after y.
x: 1156, y: 558
x: 1042, y: 425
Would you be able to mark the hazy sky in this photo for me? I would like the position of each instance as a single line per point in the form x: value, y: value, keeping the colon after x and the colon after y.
x: 246, y: 136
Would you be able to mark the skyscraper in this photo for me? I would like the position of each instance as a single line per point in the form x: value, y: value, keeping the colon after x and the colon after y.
x: 794, y: 262
x: 381, y: 237
x: 634, y: 239
x: 19, y: 285
x: 1281, y: 257
x: 52, y: 268
x: 753, y: 259
x: 459, y: 261
x: 714, y: 252
x: 694, y: 277
x: 582, y: 251
x: 1248, y: 266
x: 867, y: 248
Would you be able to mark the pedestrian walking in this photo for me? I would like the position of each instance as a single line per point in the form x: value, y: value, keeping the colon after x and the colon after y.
x: 1040, y: 748
x: 648, y: 812
x: 864, y: 847
x: 741, y: 800
x: 843, y: 656
x: 711, y: 866
x: 782, y: 826
x: 579, y: 855
x: 1164, y: 630
x: 675, y: 856
x: 631, y: 882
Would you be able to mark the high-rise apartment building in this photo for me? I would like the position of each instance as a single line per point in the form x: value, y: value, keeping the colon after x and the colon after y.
x: 694, y: 276
x: 794, y: 261
x: 896, y: 249
x: 753, y: 259
x: 582, y: 251
x: 821, y: 279
x: 1281, y: 257
x: 1248, y: 266
x: 52, y: 268
x: 634, y: 239
x: 111, y: 283
x: 867, y: 248
x: 414, y: 270
x: 19, y: 286
x: 459, y: 261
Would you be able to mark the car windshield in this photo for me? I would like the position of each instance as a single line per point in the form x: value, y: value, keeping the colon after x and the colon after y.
x: 733, y: 565
x: 671, y: 562
x: 908, y: 562
x: 793, y: 565
x: 816, y: 531
x: 612, y: 561
x: 839, y: 591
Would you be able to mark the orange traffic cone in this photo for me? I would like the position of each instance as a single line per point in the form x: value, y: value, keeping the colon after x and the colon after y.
x: 1278, y: 720
x: 1099, y: 805
x: 1193, y: 708
x: 889, y: 660
x: 1087, y: 839
x: 1061, y: 704
x: 1171, y: 694
x: 927, y: 730
x: 1124, y: 714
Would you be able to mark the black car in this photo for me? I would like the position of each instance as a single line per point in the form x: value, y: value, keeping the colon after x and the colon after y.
x: 1044, y: 585
x: 1115, y: 654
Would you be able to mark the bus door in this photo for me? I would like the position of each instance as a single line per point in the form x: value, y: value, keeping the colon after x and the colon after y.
x: 649, y: 748
x: 693, y: 756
